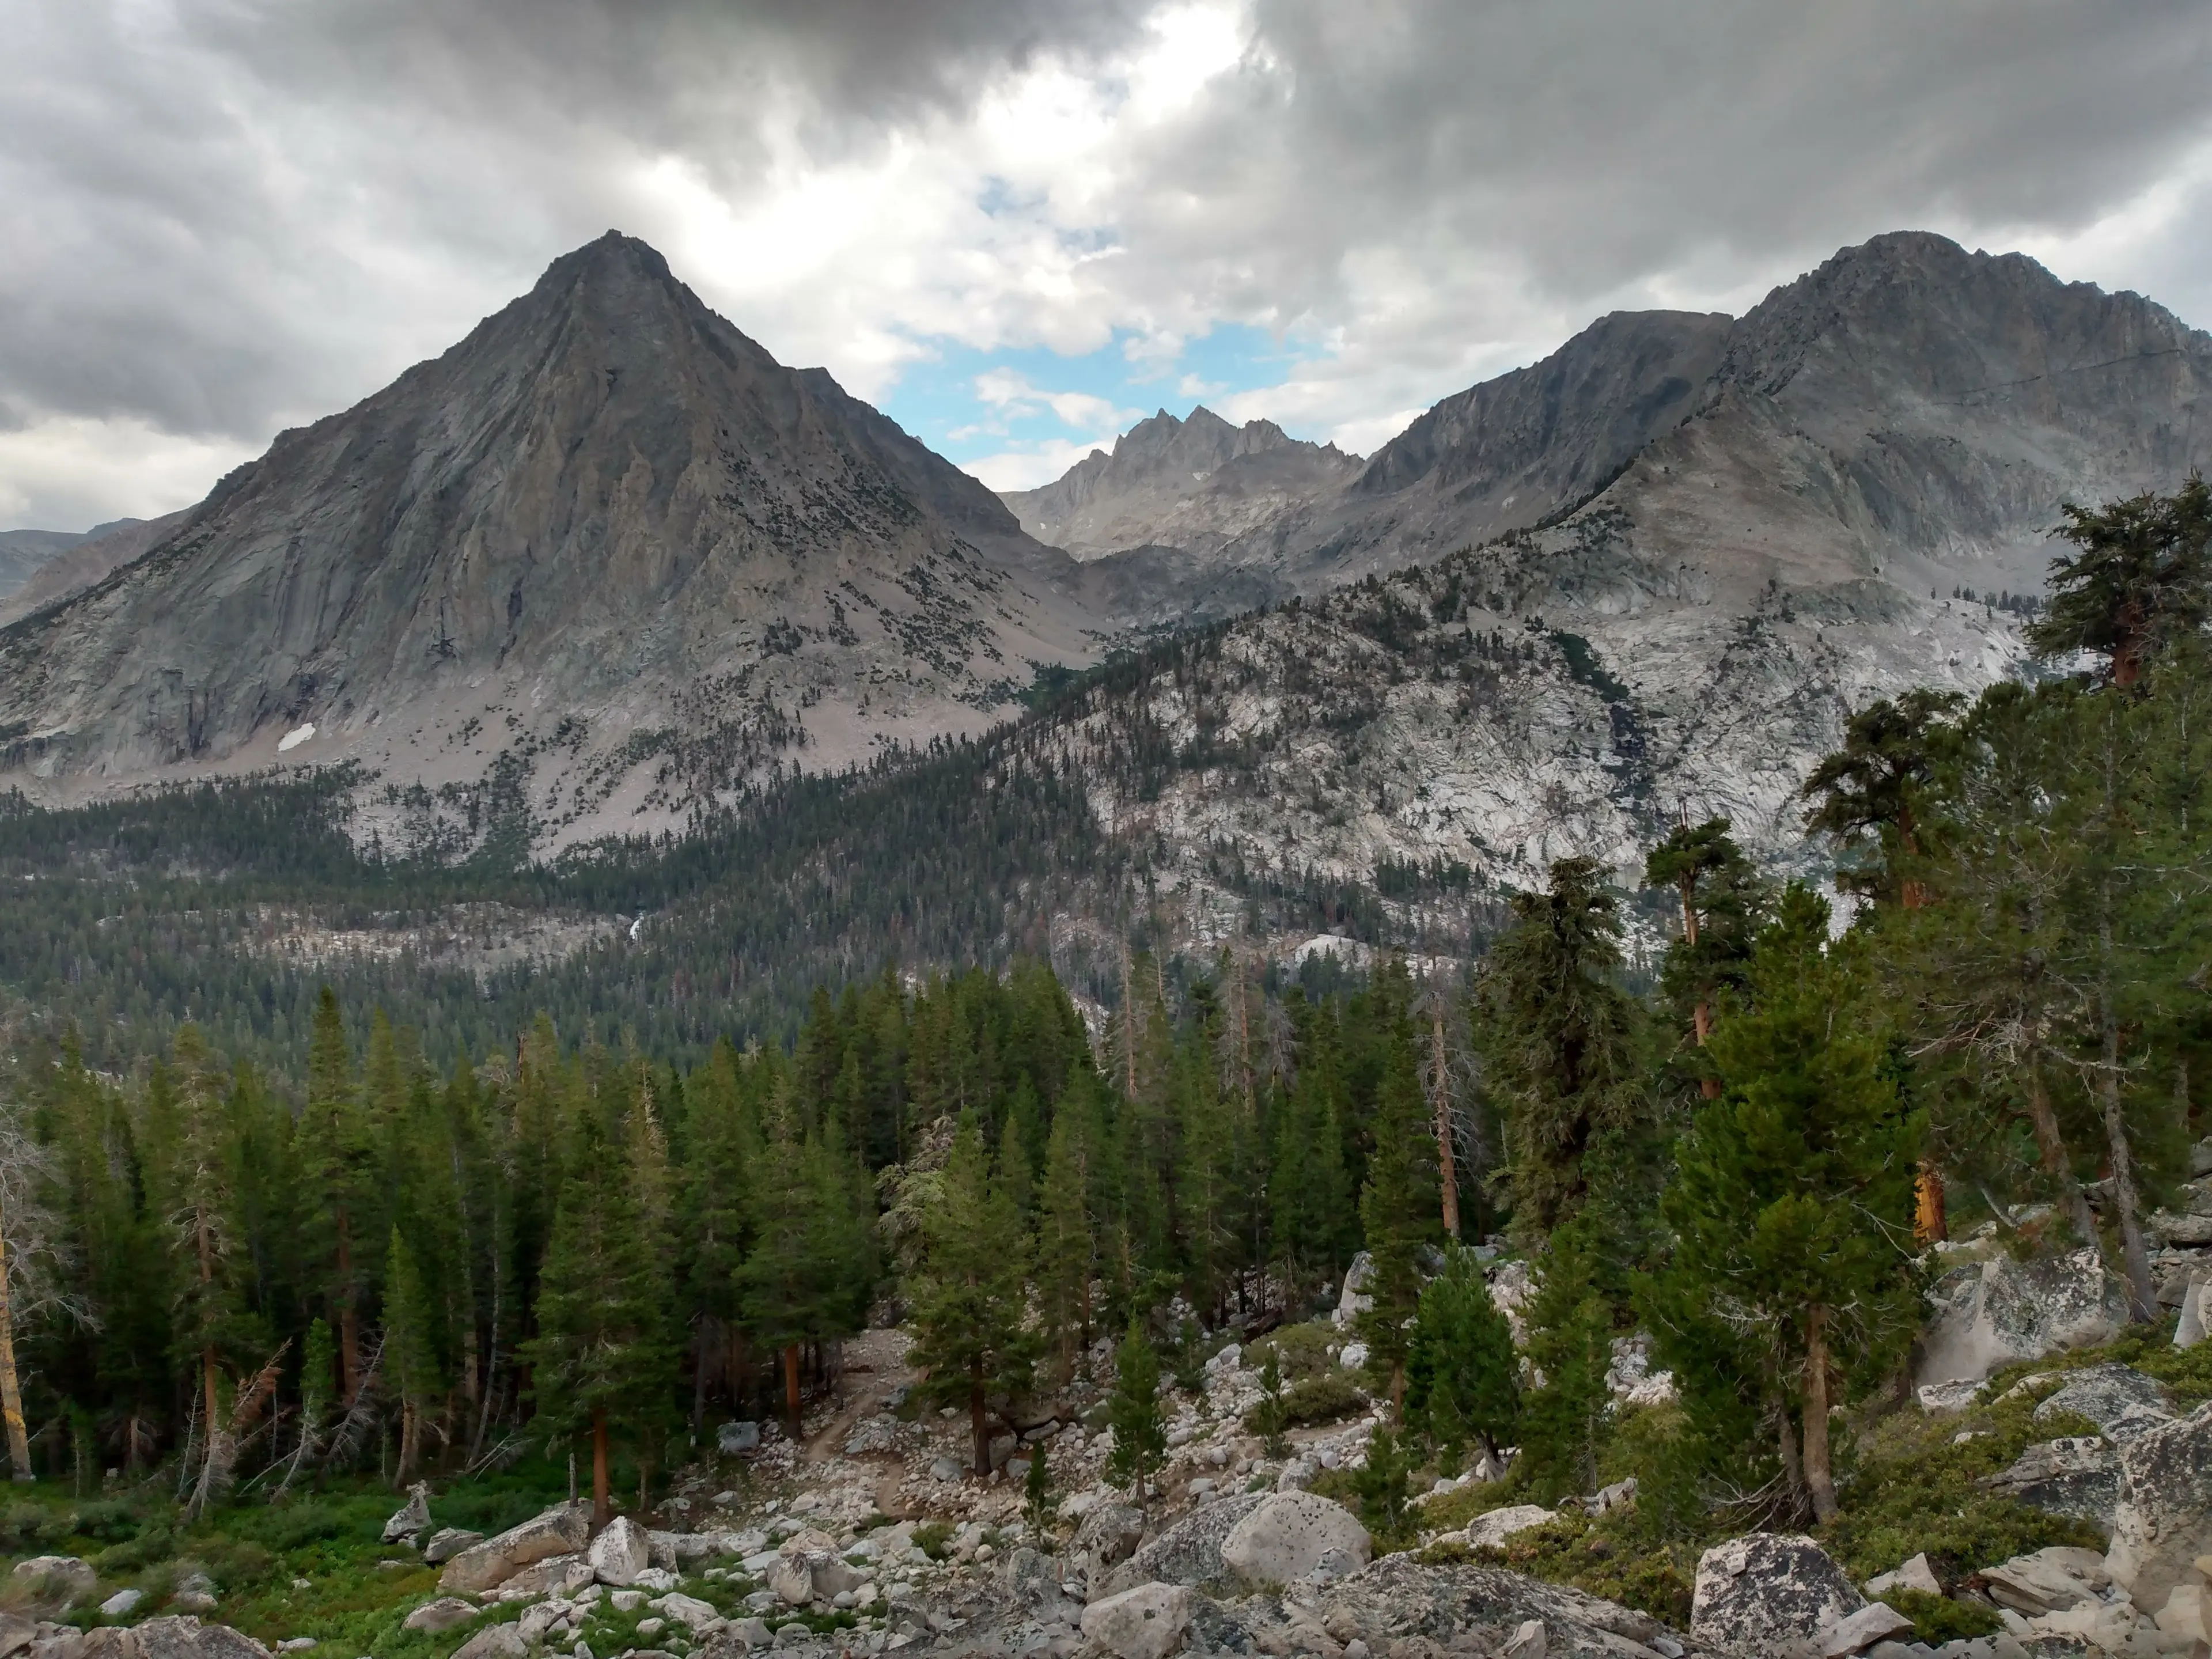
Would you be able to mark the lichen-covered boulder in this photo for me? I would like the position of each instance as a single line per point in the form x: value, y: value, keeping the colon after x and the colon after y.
x: 2079, y: 1475
x: 1148, y: 1621
x: 1988, y: 1314
x: 1110, y: 1534
x: 1289, y: 1536
x: 447, y: 1613
x: 412, y: 1518
x: 1189, y: 1552
x: 1491, y: 1530
x: 1765, y: 1590
x: 2164, y: 1519
x: 2119, y: 1399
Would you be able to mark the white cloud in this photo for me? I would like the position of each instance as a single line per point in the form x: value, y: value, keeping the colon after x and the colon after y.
x: 218, y: 220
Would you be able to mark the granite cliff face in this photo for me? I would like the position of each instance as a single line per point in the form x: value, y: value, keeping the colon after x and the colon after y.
x: 606, y: 542
x: 1194, y: 485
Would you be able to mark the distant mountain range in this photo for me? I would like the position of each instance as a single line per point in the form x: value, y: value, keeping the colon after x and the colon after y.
x: 607, y: 555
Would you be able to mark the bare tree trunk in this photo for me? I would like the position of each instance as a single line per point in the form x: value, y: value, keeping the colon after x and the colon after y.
x: 603, y: 1498
x: 793, y: 1422
x: 1930, y: 1225
x: 348, y: 1319
x: 2142, y: 1295
x: 1447, y: 1174
x: 11, y: 1389
x: 979, y: 1422
x: 1819, y: 1478
x: 2056, y: 1163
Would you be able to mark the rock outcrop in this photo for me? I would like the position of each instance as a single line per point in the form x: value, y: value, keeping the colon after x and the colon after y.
x: 1191, y: 1551
x: 2164, y: 1519
x: 1992, y: 1313
x: 1295, y: 1537
x: 562, y: 1530
x: 1759, y: 1593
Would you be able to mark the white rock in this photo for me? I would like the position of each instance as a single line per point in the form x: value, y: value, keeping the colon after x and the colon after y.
x: 689, y: 1611
x: 1493, y: 1528
x: 620, y: 1553
x: 120, y: 1604
x: 1875, y: 1622
x: 2188, y: 1612
x: 1354, y: 1300
x: 442, y: 1614
x: 495, y: 1642
x: 412, y: 1519
x: 2196, y: 1315
x: 1288, y: 1537
x: 1528, y: 1643
x: 559, y: 1531
x: 1913, y: 1575
x: 2047, y: 1580
x: 1148, y: 1622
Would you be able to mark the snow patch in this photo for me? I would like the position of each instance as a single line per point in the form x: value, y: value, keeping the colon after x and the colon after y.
x: 296, y: 736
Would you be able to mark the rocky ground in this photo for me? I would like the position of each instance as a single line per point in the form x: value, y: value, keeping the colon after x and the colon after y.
x: 871, y: 1535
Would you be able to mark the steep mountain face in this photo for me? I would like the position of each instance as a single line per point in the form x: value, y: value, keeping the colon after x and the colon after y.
x: 605, y: 543
x: 1194, y: 485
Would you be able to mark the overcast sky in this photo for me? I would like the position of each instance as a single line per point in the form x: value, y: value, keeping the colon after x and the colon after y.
x: 1017, y: 224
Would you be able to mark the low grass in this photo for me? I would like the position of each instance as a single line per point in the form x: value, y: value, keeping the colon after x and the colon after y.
x: 257, y: 1553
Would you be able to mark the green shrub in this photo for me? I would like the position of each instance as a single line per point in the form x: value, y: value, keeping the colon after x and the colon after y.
x: 109, y: 1520
x: 1937, y: 1618
x: 1302, y: 1351
x: 136, y: 1554
x: 30, y: 1529
x: 932, y: 1537
x: 1322, y: 1399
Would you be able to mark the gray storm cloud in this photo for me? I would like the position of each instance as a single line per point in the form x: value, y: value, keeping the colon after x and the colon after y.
x: 218, y: 218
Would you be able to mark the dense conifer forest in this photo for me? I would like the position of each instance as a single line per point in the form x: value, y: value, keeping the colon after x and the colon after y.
x: 258, y: 1228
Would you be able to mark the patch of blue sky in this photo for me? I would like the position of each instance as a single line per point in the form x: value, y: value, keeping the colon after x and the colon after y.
x: 976, y: 406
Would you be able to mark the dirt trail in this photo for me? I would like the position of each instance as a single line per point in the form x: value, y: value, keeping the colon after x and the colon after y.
x: 875, y: 1366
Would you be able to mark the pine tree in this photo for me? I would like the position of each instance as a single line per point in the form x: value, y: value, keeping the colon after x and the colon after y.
x: 1565, y: 1420
x: 1872, y: 795
x: 1792, y: 1200
x: 337, y: 1150
x: 1039, y: 1505
x: 1462, y: 1376
x: 1140, y: 1438
x: 1561, y: 1049
x: 2142, y: 576
x: 968, y: 1291
x: 1400, y: 1212
x: 806, y: 1278
x: 1067, y: 1236
x: 603, y: 1357
x: 1310, y: 1192
x: 1722, y: 899
x: 1273, y: 1410
x: 411, y: 1344
x: 213, y: 1319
